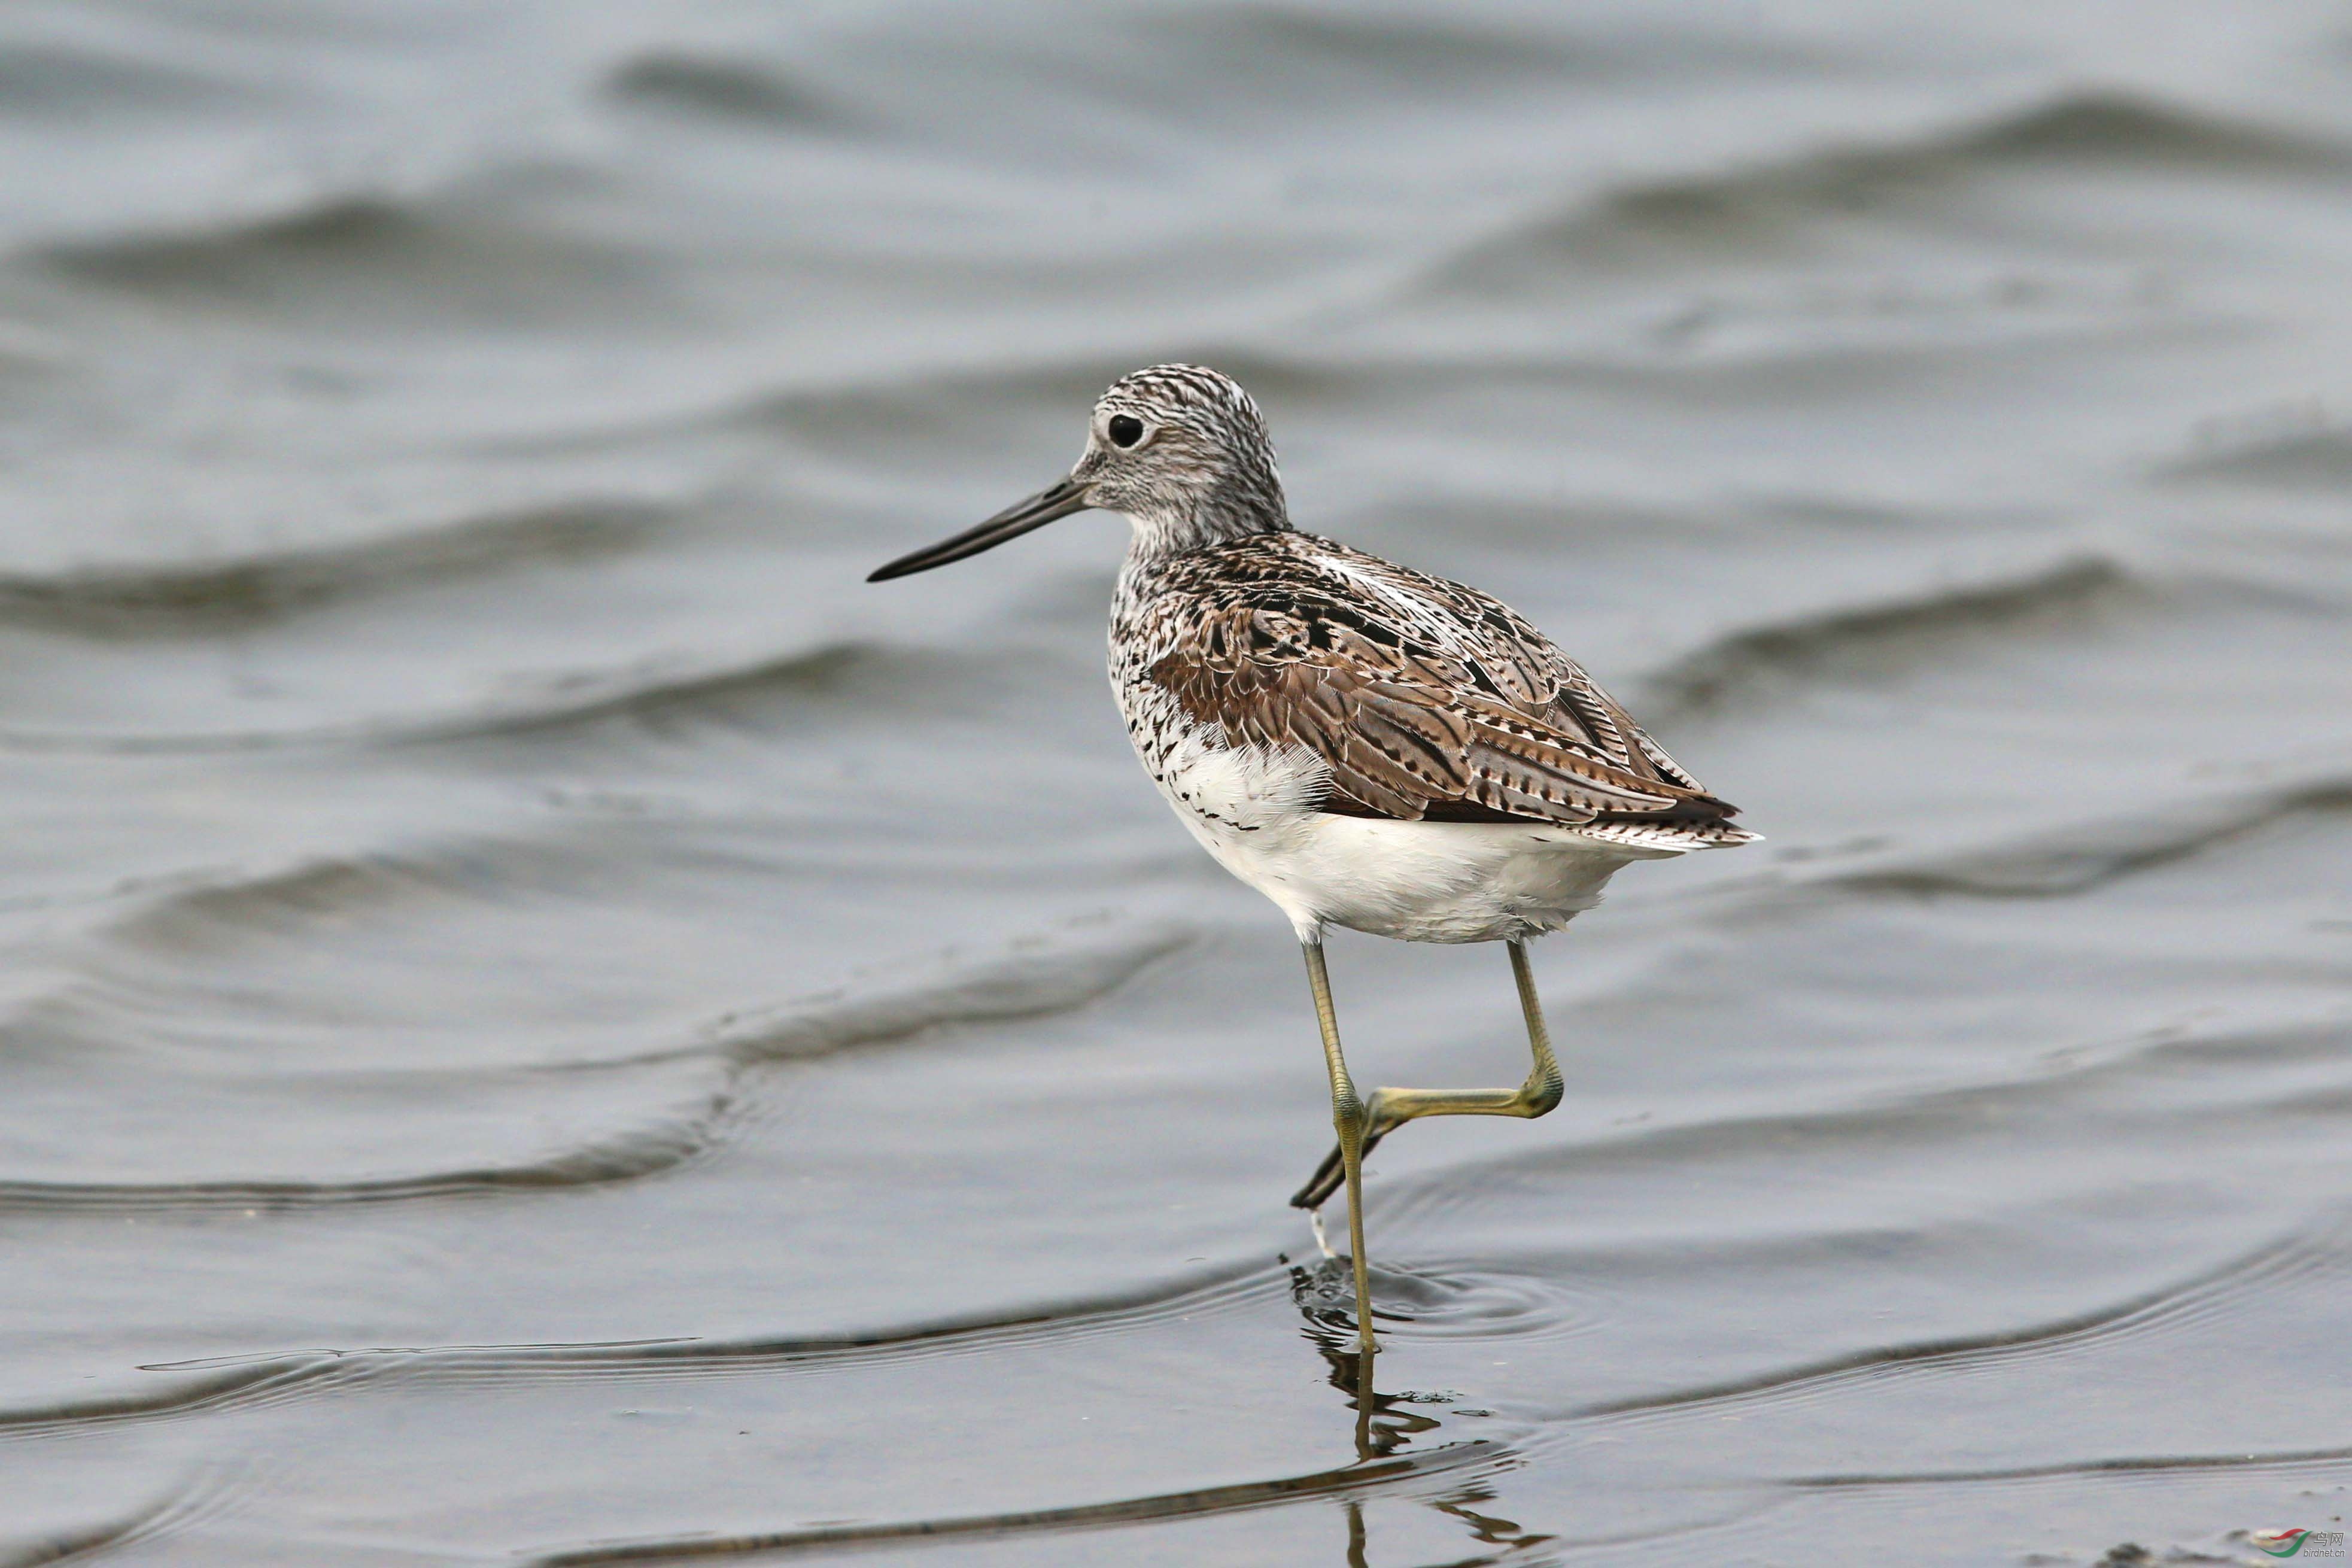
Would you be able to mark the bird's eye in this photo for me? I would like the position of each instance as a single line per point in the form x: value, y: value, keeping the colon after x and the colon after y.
x: 1124, y: 429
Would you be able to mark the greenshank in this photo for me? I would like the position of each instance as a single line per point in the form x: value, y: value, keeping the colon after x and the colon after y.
x: 1367, y: 746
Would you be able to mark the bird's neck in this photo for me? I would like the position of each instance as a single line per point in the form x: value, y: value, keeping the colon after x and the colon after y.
x: 1230, y: 512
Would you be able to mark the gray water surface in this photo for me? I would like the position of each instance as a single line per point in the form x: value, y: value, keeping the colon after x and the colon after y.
x: 543, y: 1020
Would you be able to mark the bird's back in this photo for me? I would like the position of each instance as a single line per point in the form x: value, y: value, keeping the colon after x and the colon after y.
x: 1422, y: 699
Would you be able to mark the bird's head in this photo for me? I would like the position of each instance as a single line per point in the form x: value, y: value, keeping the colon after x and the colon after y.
x: 1181, y: 449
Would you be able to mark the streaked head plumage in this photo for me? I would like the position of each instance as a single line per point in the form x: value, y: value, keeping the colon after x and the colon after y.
x: 1179, y: 449
x: 1183, y: 450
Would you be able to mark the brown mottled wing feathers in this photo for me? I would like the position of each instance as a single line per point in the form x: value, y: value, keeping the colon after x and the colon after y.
x: 1426, y: 699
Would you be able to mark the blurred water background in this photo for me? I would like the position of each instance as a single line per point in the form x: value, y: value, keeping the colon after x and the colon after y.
x: 541, y: 1019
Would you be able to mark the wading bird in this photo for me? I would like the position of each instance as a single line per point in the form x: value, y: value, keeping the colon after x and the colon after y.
x: 1367, y: 746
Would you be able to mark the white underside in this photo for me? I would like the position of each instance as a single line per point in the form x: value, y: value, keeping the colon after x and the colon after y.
x: 1420, y: 881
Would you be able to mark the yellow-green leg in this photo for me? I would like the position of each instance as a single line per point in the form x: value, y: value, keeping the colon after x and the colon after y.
x: 1347, y: 1120
x: 1390, y: 1108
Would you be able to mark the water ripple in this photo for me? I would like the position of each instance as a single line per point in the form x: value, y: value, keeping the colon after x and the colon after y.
x: 1909, y: 629
x: 2167, y: 1308
x: 626, y: 1158
x: 273, y: 1378
x: 1753, y: 212
x: 716, y: 88
x: 1437, y: 1301
x: 2085, y: 857
x: 1037, y: 978
x: 176, y: 599
x: 104, y: 1539
x: 1364, y: 1479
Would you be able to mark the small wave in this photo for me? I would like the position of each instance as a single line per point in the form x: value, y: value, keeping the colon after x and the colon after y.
x: 1871, y: 634
x: 628, y: 1158
x: 242, y: 1385
x: 329, y: 228
x: 2301, y: 459
x: 1038, y: 979
x: 67, y: 83
x: 2162, y: 1465
x: 278, y: 1377
x: 1367, y: 1477
x: 234, y: 593
x: 651, y: 689
x: 723, y: 89
x: 2088, y: 856
x: 1045, y: 978
x: 108, y: 1536
x: 1048, y: 971
x: 1920, y: 1115
x: 465, y: 256
x: 1300, y: 46
x: 583, y: 697
x: 200, y: 910
x: 1730, y: 215
x: 2127, y: 128
x: 2164, y: 1310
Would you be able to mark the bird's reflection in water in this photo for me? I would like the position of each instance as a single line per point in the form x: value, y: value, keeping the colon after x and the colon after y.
x: 1387, y: 1424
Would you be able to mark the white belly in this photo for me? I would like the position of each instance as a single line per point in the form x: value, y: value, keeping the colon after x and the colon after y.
x: 1420, y: 881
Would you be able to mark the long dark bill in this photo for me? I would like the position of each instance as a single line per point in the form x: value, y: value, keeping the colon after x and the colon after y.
x: 1055, y: 500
